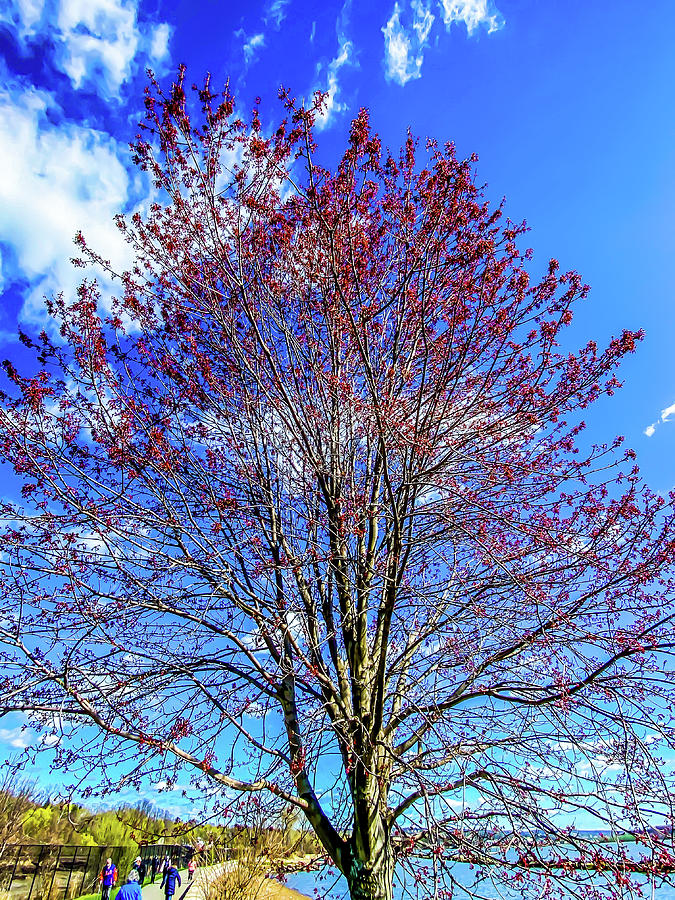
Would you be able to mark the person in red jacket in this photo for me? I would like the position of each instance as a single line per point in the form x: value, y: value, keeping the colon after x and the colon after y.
x: 107, y: 878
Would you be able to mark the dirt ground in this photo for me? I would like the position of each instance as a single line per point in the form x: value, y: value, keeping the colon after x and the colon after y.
x: 273, y: 890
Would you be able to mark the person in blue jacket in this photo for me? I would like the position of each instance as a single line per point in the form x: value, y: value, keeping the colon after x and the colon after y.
x: 107, y: 878
x: 132, y: 889
x: 169, y: 879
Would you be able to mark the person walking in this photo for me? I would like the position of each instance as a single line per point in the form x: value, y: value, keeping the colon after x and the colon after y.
x: 169, y: 879
x: 107, y: 878
x: 139, y: 866
x: 192, y: 865
x: 132, y: 889
x: 154, y: 865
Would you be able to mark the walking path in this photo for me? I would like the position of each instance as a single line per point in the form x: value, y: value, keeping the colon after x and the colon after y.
x: 188, y: 890
x: 193, y: 890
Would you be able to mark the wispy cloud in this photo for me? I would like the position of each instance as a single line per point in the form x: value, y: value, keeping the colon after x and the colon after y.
x: 332, y: 88
x: 666, y: 415
x: 273, y: 16
x: 275, y: 13
x: 345, y: 56
x: 407, y: 32
x: 251, y: 45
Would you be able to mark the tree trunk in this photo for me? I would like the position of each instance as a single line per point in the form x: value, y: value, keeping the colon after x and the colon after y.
x: 370, y: 875
x: 374, y: 879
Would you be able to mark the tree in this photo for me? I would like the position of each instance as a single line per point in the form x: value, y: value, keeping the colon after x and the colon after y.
x: 18, y: 798
x: 308, y: 511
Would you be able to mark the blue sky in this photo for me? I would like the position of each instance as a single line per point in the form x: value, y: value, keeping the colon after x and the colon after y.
x: 568, y: 104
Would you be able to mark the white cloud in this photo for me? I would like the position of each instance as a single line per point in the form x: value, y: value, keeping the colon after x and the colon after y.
x: 163, y: 785
x: 404, y: 44
x: 402, y: 63
x: 423, y: 21
x: 54, y: 181
x: 23, y: 15
x: 665, y: 416
x: 97, y: 36
x: 16, y: 737
x: 159, y: 42
x: 473, y: 13
x: 98, y: 44
x: 667, y: 412
x: 397, y: 50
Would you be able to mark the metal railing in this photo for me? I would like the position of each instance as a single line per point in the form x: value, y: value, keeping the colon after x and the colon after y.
x: 67, y: 871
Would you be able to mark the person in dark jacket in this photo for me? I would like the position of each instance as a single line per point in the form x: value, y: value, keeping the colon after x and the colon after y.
x: 154, y: 865
x: 132, y: 889
x: 139, y: 866
x: 169, y: 879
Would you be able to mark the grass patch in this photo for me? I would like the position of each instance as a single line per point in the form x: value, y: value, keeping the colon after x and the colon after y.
x: 97, y: 895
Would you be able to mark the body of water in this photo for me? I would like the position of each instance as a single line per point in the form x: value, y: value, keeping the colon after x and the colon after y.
x: 329, y: 884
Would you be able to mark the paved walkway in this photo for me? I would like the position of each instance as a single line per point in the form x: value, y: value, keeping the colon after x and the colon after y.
x: 271, y: 888
x: 188, y: 890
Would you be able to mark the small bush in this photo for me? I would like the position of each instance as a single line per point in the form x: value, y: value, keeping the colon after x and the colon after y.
x: 254, y: 854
